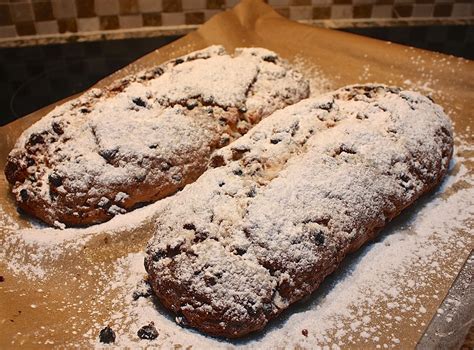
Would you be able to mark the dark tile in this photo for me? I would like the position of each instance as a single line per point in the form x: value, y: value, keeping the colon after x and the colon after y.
x: 25, y: 28
x: 442, y: 10
x: 384, y: 2
x: 67, y: 25
x: 172, y: 6
x: 425, y: 1
x: 109, y: 22
x: 342, y: 2
x: 152, y: 19
x: 300, y: 2
x: 85, y: 8
x: 322, y: 12
x: 402, y: 11
x: 5, y: 18
x: 194, y: 18
x: 128, y: 7
x: 215, y: 4
x: 43, y: 11
x: 362, y: 11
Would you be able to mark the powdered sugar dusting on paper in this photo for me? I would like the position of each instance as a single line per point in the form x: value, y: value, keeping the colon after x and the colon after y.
x: 40, y: 251
x: 319, y: 82
x: 429, y: 233
x: 381, y: 274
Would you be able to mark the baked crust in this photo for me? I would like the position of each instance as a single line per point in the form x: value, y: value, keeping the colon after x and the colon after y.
x: 146, y: 136
x: 288, y: 201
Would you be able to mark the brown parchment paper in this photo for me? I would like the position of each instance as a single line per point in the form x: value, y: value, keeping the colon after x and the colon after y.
x: 65, y: 297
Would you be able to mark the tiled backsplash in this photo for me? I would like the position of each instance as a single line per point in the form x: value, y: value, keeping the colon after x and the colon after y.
x: 25, y: 18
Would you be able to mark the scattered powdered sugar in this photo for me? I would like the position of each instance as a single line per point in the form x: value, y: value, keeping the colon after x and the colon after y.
x: 319, y: 82
x: 38, y: 251
x: 370, y: 295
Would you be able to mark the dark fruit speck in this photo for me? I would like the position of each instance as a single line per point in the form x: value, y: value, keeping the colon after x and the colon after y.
x: 55, y: 180
x: 107, y: 335
x: 57, y: 128
x: 238, y: 172
x: 274, y: 141
x: 139, y: 102
x: 108, y: 154
x: 35, y: 139
x: 24, y: 195
x: 148, y: 332
x: 143, y: 290
x: 271, y: 59
x: 189, y: 226
x: 304, y: 332
x: 318, y: 238
x: 165, y: 166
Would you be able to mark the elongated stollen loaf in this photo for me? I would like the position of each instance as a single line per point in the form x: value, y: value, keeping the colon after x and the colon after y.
x: 145, y: 136
x: 286, y: 203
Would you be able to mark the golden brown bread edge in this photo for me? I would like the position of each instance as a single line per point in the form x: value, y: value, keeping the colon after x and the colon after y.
x: 66, y: 170
x: 347, y: 163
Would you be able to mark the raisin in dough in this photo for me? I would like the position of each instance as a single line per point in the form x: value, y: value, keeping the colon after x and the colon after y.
x: 145, y: 136
x: 286, y: 202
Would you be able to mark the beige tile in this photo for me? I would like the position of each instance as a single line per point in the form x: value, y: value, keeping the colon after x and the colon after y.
x: 146, y: 6
x: 21, y: 12
x: 193, y: 4
x: 90, y: 24
x: 382, y: 11
x: 64, y: 8
x: 133, y: 21
x: 7, y: 31
x: 209, y: 13
x: 422, y: 10
x: 106, y: 7
x: 341, y: 11
x: 462, y: 10
x: 301, y: 12
x: 172, y: 18
x: 47, y: 27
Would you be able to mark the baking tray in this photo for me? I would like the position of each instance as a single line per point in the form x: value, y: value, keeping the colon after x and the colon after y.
x: 61, y: 287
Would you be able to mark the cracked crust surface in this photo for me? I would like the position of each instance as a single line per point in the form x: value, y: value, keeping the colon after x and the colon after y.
x: 145, y: 136
x: 286, y: 202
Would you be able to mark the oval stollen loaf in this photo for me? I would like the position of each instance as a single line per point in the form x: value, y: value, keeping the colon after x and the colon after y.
x: 286, y: 202
x: 145, y: 136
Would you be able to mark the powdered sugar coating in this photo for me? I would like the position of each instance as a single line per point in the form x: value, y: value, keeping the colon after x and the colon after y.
x: 147, y: 135
x: 289, y: 200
